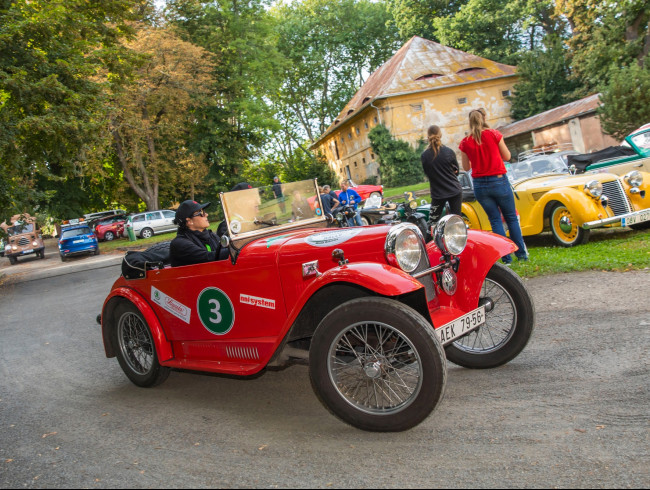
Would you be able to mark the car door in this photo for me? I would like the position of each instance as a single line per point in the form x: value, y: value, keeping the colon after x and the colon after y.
x: 154, y: 221
x: 168, y: 218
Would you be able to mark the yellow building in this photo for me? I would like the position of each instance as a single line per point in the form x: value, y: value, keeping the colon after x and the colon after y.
x: 424, y: 83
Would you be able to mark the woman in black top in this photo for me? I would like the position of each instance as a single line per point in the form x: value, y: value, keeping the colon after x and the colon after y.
x: 441, y: 168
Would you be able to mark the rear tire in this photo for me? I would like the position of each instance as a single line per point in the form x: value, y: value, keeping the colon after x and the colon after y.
x: 146, y: 233
x: 365, y: 221
x: 377, y: 365
x: 135, y: 348
x: 109, y: 236
x: 13, y: 260
x: 508, y: 325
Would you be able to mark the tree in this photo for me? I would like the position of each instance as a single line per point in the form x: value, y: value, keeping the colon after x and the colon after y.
x: 415, y: 17
x: 151, y: 119
x: 51, y: 94
x: 544, y: 80
x: 400, y: 163
x: 626, y: 101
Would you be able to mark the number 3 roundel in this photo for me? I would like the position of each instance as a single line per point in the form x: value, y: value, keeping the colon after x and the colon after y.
x: 216, y: 311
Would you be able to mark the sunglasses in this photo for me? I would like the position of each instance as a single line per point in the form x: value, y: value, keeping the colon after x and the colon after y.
x: 199, y: 213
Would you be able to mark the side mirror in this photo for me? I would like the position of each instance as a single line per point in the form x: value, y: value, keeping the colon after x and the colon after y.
x: 225, y: 241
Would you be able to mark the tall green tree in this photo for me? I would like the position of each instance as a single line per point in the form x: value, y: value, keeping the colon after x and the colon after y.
x: 52, y: 56
x: 415, y: 17
x: 240, y: 34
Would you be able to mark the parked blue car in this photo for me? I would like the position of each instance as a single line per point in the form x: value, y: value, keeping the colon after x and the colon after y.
x: 77, y: 239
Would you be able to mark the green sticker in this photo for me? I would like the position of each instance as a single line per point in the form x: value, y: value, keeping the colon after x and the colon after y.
x: 215, y: 311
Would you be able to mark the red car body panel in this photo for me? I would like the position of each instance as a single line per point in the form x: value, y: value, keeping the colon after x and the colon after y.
x: 267, y: 291
x: 117, y: 228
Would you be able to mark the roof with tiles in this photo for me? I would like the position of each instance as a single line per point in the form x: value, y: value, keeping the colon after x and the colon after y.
x: 421, y: 65
x: 552, y: 116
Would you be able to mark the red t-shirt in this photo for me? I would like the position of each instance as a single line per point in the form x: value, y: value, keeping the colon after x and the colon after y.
x: 485, y: 158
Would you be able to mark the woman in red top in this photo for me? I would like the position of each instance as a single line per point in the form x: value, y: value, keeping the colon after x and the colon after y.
x: 484, y: 152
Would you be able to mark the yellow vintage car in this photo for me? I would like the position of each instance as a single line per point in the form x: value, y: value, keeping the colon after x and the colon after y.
x: 548, y: 197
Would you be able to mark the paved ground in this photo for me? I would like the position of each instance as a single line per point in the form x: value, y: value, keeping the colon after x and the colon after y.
x: 573, y: 410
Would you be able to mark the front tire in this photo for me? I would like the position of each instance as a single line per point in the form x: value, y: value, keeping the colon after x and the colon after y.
x: 509, y: 323
x: 565, y: 231
x: 365, y: 221
x: 377, y: 364
x: 109, y: 236
x: 135, y: 348
x: 13, y: 260
x: 146, y: 233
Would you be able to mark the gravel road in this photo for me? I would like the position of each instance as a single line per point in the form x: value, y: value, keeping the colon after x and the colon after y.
x: 572, y: 411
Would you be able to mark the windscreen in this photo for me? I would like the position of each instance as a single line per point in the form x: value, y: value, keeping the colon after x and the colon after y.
x: 20, y: 228
x: 75, y: 232
x: 253, y: 210
x: 547, y: 164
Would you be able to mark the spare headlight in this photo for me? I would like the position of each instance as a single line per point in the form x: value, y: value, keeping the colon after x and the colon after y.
x: 450, y: 234
x: 634, y: 178
x: 404, y: 247
x: 594, y: 188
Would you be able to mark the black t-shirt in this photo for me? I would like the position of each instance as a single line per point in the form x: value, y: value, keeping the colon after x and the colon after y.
x: 442, y: 172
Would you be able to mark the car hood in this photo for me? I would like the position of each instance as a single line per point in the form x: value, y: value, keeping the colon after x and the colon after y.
x: 553, y: 181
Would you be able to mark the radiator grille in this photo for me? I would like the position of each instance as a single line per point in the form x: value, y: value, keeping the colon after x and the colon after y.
x: 618, y: 201
x: 23, y: 241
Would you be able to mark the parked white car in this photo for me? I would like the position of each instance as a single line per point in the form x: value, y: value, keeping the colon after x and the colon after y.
x: 150, y: 223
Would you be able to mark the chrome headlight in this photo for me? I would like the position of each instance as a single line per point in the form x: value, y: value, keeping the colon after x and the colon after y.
x: 404, y: 247
x: 450, y: 234
x: 634, y: 178
x: 593, y: 188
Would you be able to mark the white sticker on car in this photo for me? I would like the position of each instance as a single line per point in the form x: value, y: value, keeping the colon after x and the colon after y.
x: 169, y: 304
x: 255, y: 301
x: 334, y: 237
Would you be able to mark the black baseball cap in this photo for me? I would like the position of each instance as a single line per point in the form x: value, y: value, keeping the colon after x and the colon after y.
x: 187, y: 209
x: 241, y: 186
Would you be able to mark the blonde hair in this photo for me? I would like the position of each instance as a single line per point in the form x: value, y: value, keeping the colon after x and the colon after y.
x: 477, y: 124
x: 434, y: 135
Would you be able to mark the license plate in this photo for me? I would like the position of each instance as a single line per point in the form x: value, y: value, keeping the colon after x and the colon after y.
x: 461, y: 326
x: 637, y: 218
x: 30, y: 251
x: 78, y: 241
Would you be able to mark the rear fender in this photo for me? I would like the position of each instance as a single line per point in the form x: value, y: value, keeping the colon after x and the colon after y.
x: 163, y: 346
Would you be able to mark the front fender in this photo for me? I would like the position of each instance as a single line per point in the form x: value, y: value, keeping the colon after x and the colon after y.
x: 380, y: 279
x: 163, y: 346
x: 582, y: 208
x: 482, y: 251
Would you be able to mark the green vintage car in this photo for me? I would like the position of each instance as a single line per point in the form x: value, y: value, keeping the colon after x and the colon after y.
x: 633, y: 154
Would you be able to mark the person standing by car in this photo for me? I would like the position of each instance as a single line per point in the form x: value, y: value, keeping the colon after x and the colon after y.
x: 195, y: 243
x: 484, y: 152
x: 329, y: 203
x: 441, y: 168
x: 350, y: 197
x: 278, y: 194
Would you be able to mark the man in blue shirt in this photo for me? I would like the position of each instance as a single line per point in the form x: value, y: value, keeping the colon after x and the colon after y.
x: 349, y: 196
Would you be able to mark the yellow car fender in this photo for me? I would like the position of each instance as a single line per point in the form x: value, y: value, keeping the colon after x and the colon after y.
x: 472, y: 218
x: 582, y: 208
x: 640, y: 200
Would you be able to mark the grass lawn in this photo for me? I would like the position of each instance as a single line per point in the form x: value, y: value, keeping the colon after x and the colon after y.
x: 617, y: 249
x: 398, y: 192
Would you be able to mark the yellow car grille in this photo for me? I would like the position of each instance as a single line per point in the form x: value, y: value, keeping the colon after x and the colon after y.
x: 618, y: 200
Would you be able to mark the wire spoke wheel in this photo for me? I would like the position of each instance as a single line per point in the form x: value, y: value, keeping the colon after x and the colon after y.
x: 375, y: 368
x: 135, y: 343
x: 500, y: 321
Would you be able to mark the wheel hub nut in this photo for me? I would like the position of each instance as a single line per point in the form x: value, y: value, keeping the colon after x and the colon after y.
x: 373, y: 369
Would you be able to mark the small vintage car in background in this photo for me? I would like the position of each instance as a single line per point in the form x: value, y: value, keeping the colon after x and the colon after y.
x: 374, y: 311
x: 110, y: 228
x: 24, y: 238
x: 549, y: 197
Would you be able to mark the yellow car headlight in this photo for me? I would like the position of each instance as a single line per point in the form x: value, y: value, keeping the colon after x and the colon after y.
x: 634, y: 178
x: 593, y: 188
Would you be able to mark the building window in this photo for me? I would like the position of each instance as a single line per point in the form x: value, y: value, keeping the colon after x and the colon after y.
x: 355, y: 165
x: 358, y: 131
x: 375, y: 119
x: 363, y: 160
x: 416, y: 107
x: 462, y: 100
x: 350, y: 135
x: 372, y: 155
x: 365, y: 125
x: 505, y: 93
x: 336, y: 147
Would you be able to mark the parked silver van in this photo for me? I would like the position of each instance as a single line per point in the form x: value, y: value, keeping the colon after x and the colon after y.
x: 150, y: 223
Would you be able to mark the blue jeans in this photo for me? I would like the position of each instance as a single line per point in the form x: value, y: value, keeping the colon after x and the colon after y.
x: 495, y: 195
x: 356, y: 221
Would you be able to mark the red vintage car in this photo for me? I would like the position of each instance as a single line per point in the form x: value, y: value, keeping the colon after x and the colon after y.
x: 365, y: 191
x: 110, y: 228
x: 375, y: 311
